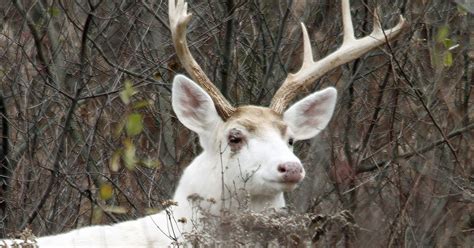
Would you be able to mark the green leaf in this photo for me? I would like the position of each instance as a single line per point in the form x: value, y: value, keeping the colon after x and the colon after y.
x: 448, y: 43
x: 149, y: 211
x: 149, y: 163
x: 115, y: 209
x: 129, y: 154
x: 442, y: 34
x: 141, y: 104
x: 127, y: 92
x: 53, y: 11
x: 448, y: 59
x: 134, y: 125
x: 105, y: 191
x: 97, y: 214
x: 114, y: 164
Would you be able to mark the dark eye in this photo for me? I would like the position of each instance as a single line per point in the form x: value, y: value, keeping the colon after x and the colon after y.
x: 235, y: 136
x: 291, y: 141
x: 234, y: 139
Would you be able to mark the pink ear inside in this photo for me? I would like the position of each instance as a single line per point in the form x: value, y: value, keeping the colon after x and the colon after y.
x: 191, y: 102
x: 193, y: 106
x: 307, y: 117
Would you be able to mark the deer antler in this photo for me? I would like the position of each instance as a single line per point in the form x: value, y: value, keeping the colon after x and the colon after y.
x: 350, y: 49
x: 179, y: 19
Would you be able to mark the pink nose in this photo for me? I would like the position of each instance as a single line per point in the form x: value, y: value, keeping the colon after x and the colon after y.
x: 291, y: 172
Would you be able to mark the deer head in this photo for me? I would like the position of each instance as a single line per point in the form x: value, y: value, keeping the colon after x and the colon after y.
x: 253, y: 144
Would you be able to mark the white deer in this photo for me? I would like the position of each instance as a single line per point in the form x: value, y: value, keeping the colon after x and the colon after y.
x: 247, y: 147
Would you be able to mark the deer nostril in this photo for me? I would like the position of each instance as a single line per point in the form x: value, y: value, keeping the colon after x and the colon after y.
x: 290, y: 168
x: 291, y: 172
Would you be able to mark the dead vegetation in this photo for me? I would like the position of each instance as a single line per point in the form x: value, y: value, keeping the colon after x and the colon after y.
x: 394, y: 168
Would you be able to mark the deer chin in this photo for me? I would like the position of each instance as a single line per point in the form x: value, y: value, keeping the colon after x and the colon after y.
x: 287, y: 187
x: 282, y: 185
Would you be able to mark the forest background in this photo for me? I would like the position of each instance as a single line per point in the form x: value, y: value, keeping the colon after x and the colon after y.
x: 89, y: 137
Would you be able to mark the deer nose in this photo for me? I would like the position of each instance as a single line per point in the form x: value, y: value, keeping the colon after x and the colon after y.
x: 291, y: 172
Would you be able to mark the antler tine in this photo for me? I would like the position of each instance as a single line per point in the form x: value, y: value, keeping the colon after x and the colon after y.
x: 347, y: 26
x: 307, y: 50
x: 179, y: 19
x: 350, y: 49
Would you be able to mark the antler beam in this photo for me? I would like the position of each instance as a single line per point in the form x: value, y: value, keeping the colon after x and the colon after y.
x: 179, y: 19
x: 350, y: 49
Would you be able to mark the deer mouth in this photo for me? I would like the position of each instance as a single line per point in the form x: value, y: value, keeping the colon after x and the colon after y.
x: 284, y: 185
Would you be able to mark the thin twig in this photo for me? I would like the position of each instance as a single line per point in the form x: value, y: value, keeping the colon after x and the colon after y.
x: 422, y: 150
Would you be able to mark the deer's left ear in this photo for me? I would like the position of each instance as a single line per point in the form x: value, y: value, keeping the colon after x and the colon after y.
x: 307, y: 117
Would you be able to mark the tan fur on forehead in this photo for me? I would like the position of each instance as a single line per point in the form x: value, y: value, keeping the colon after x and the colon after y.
x: 254, y: 118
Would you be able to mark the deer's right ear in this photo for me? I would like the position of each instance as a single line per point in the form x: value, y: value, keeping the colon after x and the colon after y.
x: 193, y: 106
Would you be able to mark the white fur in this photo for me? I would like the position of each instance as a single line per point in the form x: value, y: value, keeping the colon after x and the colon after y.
x: 253, y: 168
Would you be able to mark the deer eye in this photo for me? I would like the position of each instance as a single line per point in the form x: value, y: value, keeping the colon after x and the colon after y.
x: 291, y: 141
x: 235, y: 136
x: 234, y: 139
